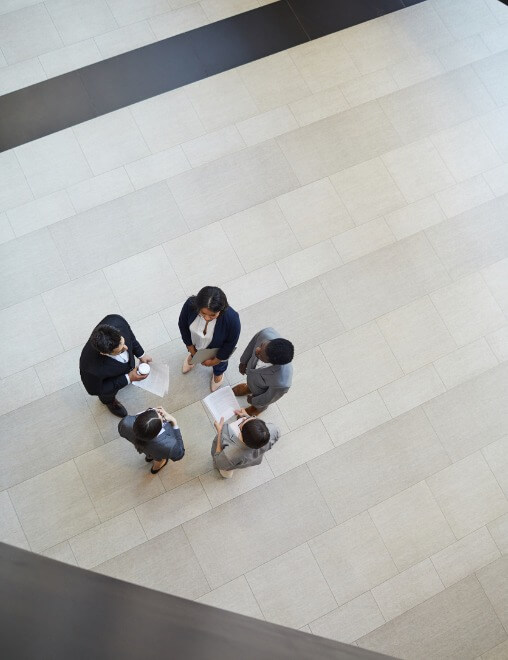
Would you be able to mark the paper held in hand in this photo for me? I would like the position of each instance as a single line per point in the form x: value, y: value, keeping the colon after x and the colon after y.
x: 222, y: 403
x: 157, y: 381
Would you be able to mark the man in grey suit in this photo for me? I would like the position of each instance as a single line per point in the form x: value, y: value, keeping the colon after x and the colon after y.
x: 266, y: 363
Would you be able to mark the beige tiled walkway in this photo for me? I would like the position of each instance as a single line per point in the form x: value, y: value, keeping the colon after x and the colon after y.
x: 353, y: 193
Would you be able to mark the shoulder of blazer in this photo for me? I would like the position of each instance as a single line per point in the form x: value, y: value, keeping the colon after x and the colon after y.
x: 231, y: 317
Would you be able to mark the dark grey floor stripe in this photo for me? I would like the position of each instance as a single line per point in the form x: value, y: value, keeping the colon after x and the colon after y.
x: 111, y: 84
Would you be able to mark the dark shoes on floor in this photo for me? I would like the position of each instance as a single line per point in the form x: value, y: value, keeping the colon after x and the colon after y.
x: 117, y: 409
x: 159, y: 469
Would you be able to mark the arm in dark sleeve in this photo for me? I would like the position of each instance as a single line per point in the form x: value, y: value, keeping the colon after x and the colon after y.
x: 97, y: 386
x: 246, y: 355
x: 178, y: 451
x: 183, y: 324
x: 137, y: 349
x: 231, y: 340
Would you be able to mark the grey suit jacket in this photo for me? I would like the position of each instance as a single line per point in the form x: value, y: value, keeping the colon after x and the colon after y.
x: 235, y: 455
x: 169, y: 444
x: 267, y: 384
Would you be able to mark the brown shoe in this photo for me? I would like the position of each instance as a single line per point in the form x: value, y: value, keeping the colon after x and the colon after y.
x: 241, y: 390
x: 252, y: 411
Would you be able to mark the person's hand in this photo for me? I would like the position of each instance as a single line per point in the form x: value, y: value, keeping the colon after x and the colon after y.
x: 146, y: 358
x: 249, y: 398
x: 134, y: 376
x: 242, y: 368
x: 241, y: 412
x: 219, y: 425
x: 192, y: 349
x: 211, y: 362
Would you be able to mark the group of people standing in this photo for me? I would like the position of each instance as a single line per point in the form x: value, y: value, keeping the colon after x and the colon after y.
x: 108, y: 363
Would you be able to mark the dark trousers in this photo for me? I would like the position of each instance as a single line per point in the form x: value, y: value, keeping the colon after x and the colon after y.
x: 220, y: 368
x: 107, y: 398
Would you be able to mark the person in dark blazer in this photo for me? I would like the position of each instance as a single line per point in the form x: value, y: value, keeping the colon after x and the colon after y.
x: 107, y: 361
x: 155, y: 434
x: 266, y: 363
x: 207, y: 321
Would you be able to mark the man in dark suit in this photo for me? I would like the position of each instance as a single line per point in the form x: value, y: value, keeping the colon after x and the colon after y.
x: 107, y: 361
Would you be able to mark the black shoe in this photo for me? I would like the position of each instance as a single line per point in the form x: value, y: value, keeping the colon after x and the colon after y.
x: 117, y: 409
x: 159, y: 469
x: 148, y: 459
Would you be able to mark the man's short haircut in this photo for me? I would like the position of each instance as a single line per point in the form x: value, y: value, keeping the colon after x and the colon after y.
x: 255, y: 433
x: 105, y: 338
x: 280, y: 351
x: 147, y: 426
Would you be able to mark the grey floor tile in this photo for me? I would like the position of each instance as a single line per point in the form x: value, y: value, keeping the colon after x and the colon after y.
x: 499, y: 652
x: 157, y: 167
x: 362, y: 240
x: 291, y: 511
x: 498, y: 529
x: 212, y: 146
x: 356, y: 418
x: 59, y: 371
x: 232, y: 183
x: 45, y: 433
x: 70, y: 58
x: 290, y: 589
x: 53, y: 506
x: 172, y: 568
x: 41, y: 212
x: 235, y: 596
x: 494, y: 124
x: 76, y: 21
x: 298, y: 447
x: 267, y: 125
x: 457, y: 623
x: 465, y: 196
x: 61, y: 552
x: 28, y: 32
x: 353, y: 558
x: 309, y: 263
x: 496, y: 277
x: 494, y: 579
x: 471, y: 415
x: 412, y: 390
x: 29, y: 265
x: 100, y: 189
x: 490, y: 71
x: 415, y: 217
x: 11, y: 531
x: 220, y: 490
x: 467, y: 362
x: 498, y: 341
x: 254, y: 287
x: 19, y: 389
x: 497, y: 458
x: 360, y: 474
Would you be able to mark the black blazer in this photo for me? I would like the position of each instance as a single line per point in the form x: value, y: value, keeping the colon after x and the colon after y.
x: 225, y: 334
x: 102, y: 374
x: 168, y: 444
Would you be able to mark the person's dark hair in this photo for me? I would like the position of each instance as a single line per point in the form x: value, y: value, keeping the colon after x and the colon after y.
x: 212, y: 298
x: 280, y: 351
x: 105, y: 338
x: 255, y: 433
x: 147, y: 426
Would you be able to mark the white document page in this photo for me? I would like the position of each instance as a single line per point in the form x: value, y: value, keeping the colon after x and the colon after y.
x: 222, y: 403
x: 157, y: 381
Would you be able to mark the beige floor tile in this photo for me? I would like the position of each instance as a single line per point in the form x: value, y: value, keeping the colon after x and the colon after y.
x: 324, y: 62
x: 309, y: 263
x: 463, y: 19
x: 496, y: 277
x: 78, y: 306
x: 29, y: 265
x: 354, y: 619
x: 361, y: 360
x: 314, y: 391
x: 494, y: 580
x: 356, y: 418
x: 408, y: 589
x: 11, y: 531
x: 368, y: 190
x: 216, y: 10
x: 19, y: 75
x: 212, y: 146
x: 103, y: 235
x: 267, y: 125
x: 491, y: 72
x: 291, y: 503
x: 167, y: 120
x: 465, y: 363
x: 499, y: 531
x: 468, y: 494
x: 235, y: 596
x: 384, y: 280
x: 494, y: 125
x: 315, y: 212
x: 99, y: 189
x: 498, y: 341
x: 466, y: 556
x: 150, y: 331
x: 298, y: 447
x: 420, y: 28
x: 59, y: 371
x: 463, y: 52
x: 273, y: 81
x: 464, y: 196
x: 359, y: 474
x: 157, y: 167
x: 499, y: 652
x: 220, y: 490
x: 290, y: 589
x: 318, y: 106
x: 458, y: 622
x: 14, y: 188
x: 368, y: 87
x: 40, y: 212
x: 180, y: 20
x: 254, y: 287
x: 430, y: 176
x: 466, y: 150
x: 124, y: 39
x: 497, y: 458
x: 76, y: 21
x: 338, y: 142
x: 72, y: 57
x: 352, y: 558
x: 19, y: 389
x: 110, y: 141
x: 415, y: 217
x: 416, y: 334
x: 436, y: 104
x: 232, y: 183
x: 258, y: 235
x: 170, y: 317
x: 53, y: 506
x: 468, y: 309
x: 61, y: 552
x: 172, y: 568
x: 117, y: 478
x: 415, y: 69
x: 412, y: 390
x: 6, y: 231
x: 45, y: 433
x: 173, y: 508
x: 221, y: 100
x: 498, y: 180
x: 129, y: 11
x: 107, y: 540
x: 471, y: 415
x: 362, y: 240
x: 412, y: 526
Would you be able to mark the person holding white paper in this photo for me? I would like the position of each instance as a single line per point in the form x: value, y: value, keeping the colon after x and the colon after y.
x: 207, y: 321
x: 233, y: 452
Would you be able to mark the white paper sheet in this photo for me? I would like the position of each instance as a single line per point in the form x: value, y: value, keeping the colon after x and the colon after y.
x: 157, y: 381
x: 222, y: 403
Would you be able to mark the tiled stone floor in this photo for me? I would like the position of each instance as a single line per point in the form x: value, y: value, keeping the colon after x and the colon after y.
x: 353, y: 193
